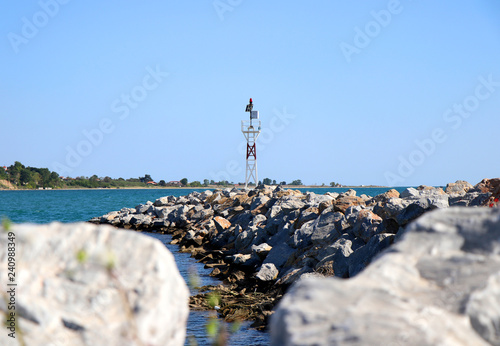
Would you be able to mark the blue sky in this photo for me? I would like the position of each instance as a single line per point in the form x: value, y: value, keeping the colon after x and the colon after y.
x: 374, y: 92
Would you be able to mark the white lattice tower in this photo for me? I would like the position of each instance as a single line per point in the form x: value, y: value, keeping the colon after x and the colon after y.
x: 251, y: 130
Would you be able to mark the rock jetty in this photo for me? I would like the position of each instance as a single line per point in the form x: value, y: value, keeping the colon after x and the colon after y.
x: 84, y: 284
x: 261, y: 241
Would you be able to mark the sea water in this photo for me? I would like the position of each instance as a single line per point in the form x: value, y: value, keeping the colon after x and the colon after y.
x: 44, y: 206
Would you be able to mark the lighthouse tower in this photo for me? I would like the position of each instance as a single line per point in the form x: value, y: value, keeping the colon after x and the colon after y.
x: 251, y: 130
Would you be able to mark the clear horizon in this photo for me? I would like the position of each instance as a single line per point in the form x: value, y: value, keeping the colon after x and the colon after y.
x: 391, y: 93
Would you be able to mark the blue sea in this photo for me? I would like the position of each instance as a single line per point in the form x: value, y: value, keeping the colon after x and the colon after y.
x: 44, y: 206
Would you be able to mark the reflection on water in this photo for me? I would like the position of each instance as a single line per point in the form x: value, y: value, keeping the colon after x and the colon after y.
x: 198, y: 319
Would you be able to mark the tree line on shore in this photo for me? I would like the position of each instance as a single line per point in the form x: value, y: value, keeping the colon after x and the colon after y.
x: 22, y: 177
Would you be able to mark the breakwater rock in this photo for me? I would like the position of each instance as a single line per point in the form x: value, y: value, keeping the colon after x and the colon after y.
x: 82, y: 284
x: 438, y: 285
x: 265, y: 239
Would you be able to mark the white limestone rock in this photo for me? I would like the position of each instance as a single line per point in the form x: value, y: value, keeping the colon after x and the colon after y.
x: 83, y: 284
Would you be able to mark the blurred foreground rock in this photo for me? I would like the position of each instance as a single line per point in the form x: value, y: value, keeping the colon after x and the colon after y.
x: 82, y: 284
x: 438, y: 285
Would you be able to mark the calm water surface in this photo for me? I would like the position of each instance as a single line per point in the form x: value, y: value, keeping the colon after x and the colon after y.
x: 36, y: 206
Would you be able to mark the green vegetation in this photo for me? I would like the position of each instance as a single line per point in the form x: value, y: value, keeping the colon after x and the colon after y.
x: 30, y: 177
x: 19, y: 176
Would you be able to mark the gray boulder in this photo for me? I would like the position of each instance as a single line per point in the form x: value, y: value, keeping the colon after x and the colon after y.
x: 83, y: 284
x: 142, y: 208
x: 421, y: 191
x: 438, y: 285
x: 261, y: 250
x: 483, y: 309
x: 314, y: 200
x: 470, y: 199
x: 363, y: 256
x: 333, y: 195
x: 338, y: 254
x: 291, y: 203
x: 327, y: 227
x: 348, y: 193
x: 164, y: 201
x: 267, y: 272
x: 244, y: 241
x: 109, y: 217
x: 366, y: 224
x: 205, y: 194
x: 460, y: 187
x: 306, y: 215
x: 323, y: 230
x: 203, y: 214
x: 258, y: 201
x: 280, y: 252
x: 140, y: 220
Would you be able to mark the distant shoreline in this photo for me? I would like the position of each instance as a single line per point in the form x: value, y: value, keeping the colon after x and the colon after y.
x: 200, y: 187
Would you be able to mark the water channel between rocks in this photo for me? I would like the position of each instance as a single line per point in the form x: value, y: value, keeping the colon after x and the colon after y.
x: 197, y: 321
